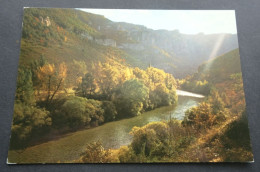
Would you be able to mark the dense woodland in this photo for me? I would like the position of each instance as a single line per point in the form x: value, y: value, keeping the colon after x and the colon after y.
x: 102, y: 95
x: 67, y: 82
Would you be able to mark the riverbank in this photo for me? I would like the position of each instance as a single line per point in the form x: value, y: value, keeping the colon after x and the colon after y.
x: 112, y: 135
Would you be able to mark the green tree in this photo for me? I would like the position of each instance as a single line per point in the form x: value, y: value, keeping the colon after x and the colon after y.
x: 77, y: 112
x: 87, y: 86
x: 74, y: 110
x: 28, y: 120
x: 164, y: 97
x: 110, y: 112
x: 35, y: 66
x: 129, y: 98
x: 24, y: 87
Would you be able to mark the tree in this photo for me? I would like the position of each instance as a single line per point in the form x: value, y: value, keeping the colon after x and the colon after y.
x: 107, y: 78
x: 28, y: 120
x: 77, y: 112
x: 35, y: 65
x: 125, y: 74
x: 87, y: 86
x: 170, y: 82
x: 141, y: 75
x: 156, y: 76
x: 24, y: 87
x: 76, y: 72
x: 129, y: 98
x: 163, y: 98
x: 110, y: 112
x: 74, y: 112
x: 52, y: 79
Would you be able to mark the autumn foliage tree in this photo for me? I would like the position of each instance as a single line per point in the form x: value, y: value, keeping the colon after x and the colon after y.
x: 52, y: 79
x: 107, y: 78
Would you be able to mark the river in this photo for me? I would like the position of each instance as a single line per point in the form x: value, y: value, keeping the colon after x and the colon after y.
x: 112, y: 135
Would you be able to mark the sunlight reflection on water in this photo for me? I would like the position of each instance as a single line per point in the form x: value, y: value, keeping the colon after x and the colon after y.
x: 188, y: 94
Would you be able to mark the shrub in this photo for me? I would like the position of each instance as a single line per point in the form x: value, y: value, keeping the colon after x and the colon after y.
x: 200, y: 117
x: 95, y: 153
x: 150, y: 138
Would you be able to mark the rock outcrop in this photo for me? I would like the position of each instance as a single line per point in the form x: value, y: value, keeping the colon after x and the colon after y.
x: 46, y: 21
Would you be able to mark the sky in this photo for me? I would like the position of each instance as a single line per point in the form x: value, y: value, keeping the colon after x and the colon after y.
x: 186, y: 21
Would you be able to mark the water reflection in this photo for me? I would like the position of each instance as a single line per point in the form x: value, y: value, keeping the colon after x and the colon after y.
x: 188, y: 94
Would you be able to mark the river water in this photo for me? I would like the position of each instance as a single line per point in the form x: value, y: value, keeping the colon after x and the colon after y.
x: 116, y: 134
x: 112, y: 135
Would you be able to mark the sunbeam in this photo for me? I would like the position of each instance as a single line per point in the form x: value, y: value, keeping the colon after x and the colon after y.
x: 215, y: 50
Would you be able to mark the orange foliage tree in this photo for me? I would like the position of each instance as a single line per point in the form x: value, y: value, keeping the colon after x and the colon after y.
x: 52, y: 79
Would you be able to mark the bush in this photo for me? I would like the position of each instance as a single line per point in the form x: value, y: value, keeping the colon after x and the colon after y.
x: 95, y: 153
x: 206, y: 115
x: 156, y: 141
x: 127, y: 155
x: 150, y: 138
x: 200, y: 117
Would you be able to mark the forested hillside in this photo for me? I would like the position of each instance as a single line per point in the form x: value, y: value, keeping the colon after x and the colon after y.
x: 87, y: 37
x: 213, y: 72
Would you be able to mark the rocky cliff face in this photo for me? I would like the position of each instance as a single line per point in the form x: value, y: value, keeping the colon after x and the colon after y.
x: 185, y: 52
x: 177, y: 53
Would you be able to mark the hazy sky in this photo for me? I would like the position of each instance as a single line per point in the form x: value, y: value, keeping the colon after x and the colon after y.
x: 186, y: 21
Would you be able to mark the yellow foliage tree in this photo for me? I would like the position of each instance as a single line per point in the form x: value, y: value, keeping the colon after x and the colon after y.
x: 52, y: 79
x: 107, y: 78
